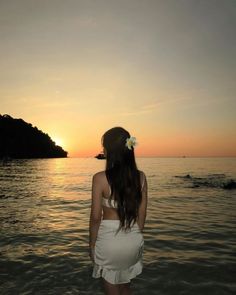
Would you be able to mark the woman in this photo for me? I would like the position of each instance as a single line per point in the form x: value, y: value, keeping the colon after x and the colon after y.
x: 118, y: 213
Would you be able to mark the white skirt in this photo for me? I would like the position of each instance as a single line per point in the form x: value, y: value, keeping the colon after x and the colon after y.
x: 118, y: 257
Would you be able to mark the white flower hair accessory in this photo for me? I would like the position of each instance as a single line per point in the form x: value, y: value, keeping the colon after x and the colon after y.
x: 131, y: 142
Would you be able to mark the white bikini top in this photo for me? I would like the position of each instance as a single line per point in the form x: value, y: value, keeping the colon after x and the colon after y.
x: 105, y: 201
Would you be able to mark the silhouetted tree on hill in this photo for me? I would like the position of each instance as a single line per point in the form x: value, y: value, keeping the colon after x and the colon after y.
x: 19, y: 139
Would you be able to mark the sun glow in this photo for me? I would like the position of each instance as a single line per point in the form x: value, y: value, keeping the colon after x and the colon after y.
x: 58, y: 141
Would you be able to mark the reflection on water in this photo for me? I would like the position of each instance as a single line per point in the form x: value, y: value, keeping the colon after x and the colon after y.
x: 189, y: 234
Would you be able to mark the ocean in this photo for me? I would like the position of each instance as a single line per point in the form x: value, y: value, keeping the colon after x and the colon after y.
x: 190, y: 230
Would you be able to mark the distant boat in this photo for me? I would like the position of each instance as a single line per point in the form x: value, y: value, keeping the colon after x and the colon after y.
x: 100, y: 156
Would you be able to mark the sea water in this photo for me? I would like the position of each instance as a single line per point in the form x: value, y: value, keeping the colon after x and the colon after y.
x: 190, y: 237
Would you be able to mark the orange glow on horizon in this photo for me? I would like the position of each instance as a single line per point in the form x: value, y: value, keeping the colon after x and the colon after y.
x: 175, y: 146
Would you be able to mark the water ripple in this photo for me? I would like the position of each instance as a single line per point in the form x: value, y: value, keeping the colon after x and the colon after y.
x: 190, y: 238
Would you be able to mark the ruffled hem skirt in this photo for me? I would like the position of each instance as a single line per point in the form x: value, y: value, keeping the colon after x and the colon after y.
x: 118, y: 256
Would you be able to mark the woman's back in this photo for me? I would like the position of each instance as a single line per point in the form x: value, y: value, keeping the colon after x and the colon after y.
x: 110, y: 211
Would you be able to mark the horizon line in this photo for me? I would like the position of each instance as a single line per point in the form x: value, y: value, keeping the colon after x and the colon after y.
x: 164, y: 157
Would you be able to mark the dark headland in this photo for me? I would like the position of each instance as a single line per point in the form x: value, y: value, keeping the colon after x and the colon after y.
x: 20, y: 140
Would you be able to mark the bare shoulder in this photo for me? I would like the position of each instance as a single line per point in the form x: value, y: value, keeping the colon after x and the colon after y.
x: 142, y: 174
x: 99, y: 175
x: 143, y: 180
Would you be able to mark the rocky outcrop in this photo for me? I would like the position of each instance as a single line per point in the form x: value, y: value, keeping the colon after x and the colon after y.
x: 19, y: 139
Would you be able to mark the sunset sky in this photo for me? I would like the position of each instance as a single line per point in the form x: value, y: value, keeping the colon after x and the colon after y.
x: 165, y: 70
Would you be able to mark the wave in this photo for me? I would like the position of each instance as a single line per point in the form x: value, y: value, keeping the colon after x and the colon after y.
x: 215, y: 180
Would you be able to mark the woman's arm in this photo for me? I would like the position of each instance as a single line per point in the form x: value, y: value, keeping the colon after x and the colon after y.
x: 96, y: 209
x: 143, y: 206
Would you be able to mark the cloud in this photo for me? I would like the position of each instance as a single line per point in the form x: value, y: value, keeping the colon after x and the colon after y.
x: 147, y: 108
x: 133, y: 113
x: 153, y: 106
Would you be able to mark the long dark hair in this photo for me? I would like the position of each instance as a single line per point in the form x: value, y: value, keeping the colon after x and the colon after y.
x: 123, y: 175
